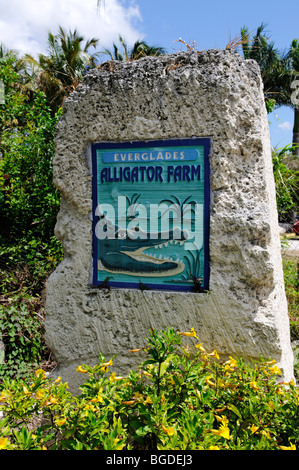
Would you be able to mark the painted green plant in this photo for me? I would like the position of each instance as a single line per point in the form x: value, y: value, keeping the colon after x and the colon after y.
x: 182, y: 207
x: 193, y: 269
x: 133, y: 205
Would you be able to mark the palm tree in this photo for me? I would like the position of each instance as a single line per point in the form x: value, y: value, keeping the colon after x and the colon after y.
x: 139, y: 49
x: 272, y: 67
x: 10, y: 58
x: 293, y: 59
x: 278, y: 72
x: 59, y: 72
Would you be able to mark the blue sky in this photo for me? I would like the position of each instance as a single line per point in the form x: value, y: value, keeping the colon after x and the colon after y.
x: 24, y: 25
x: 211, y: 24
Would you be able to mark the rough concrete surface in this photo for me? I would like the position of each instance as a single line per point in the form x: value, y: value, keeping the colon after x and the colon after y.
x: 213, y: 94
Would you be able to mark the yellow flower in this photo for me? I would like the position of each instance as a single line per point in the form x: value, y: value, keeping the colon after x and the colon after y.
x: 3, y: 442
x: 200, y: 347
x: 223, y: 420
x: 51, y: 401
x: 270, y: 362
x: 138, y: 396
x: 119, y: 447
x: 40, y: 373
x: 80, y: 369
x: 223, y: 431
x: 148, y: 401
x: 209, y: 382
x: 232, y: 362
x: 266, y: 433
x: 57, y: 380
x: 129, y: 402
x: 214, y: 353
x: 89, y: 407
x: 147, y: 374
x: 3, y: 396
x: 253, y: 428
x: 40, y: 393
x: 135, y: 350
x: 220, y: 409
x: 291, y: 447
x: 109, y: 363
x: 26, y: 391
x: 98, y: 399
x: 253, y: 385
x: 168, y: 431
x: 214, y: 448
x: 61, y: 421
x: 275, y: 370
x: 190, y: 334
x: 114, y: 378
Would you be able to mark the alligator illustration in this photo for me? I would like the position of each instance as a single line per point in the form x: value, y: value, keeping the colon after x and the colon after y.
x: 125, y: 253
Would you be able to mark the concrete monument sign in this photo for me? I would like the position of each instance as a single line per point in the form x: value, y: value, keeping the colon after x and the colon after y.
x: 183, y: 133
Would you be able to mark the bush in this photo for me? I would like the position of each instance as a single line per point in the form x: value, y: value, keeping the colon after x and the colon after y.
x: 286, y: 184
x: 180, y: 398
x: 291, y: 269
x: 29, y: 202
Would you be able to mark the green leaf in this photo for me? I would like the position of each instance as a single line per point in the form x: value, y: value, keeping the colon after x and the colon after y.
x: 165, y: 364
x: 234, y: 409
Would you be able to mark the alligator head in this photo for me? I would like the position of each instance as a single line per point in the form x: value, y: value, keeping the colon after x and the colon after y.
x: 125, y: 253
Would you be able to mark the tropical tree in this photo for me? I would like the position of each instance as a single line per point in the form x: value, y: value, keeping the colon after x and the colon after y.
x: 293, y: 62
x: 11, y: 59
x: 28, y: 199
x: 279, y: 72
x: 59, y: 72
x: 273, y: 68
x: 140, y: 49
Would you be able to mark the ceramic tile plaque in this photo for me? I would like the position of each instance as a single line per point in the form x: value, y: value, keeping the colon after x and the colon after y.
x: 151, y: 214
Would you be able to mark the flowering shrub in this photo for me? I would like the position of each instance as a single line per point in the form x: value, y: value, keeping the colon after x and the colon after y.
x: 182, y: 397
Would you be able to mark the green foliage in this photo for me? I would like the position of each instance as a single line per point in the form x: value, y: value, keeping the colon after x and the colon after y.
x: 28, y: 198
x: 61, y: 70
x: 286, y: 183
x: 29, y: 203
x: 21, y: 332
x: 140, y: 49
x: 21, y: 306
x: 291, y: 270
x: 180, y: 398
